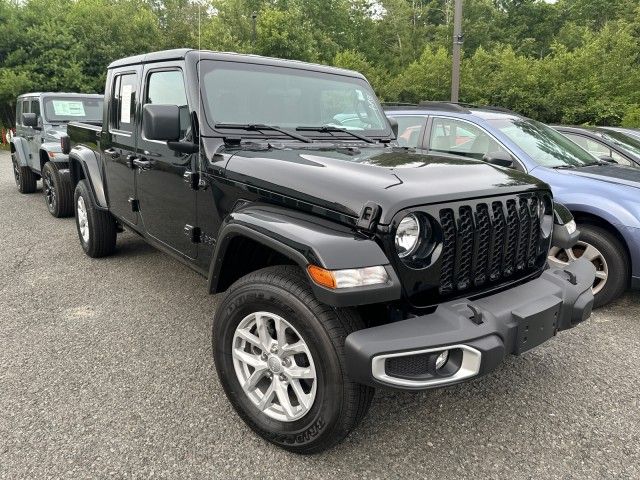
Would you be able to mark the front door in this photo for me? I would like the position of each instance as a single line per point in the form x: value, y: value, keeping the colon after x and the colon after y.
x: 36, y: 135
x: 167, y: 202
x: 118, y: 144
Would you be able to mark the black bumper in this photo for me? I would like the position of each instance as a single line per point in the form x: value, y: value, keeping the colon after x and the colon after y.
x: 478, y: 333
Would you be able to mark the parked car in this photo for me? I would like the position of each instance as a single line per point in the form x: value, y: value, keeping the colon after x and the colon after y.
x: 634, y: 132
x: 41, y: 118
x: 608, y: 145
x: 347, y: 263
x: 603, y: 197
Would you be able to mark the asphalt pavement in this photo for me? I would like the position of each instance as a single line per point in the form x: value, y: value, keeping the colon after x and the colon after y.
x: 106, y: 371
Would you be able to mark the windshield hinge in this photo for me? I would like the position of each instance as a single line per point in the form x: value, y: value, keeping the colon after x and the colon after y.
x: 369, y: 216
x: 192, y: 179
x: 193, y: 233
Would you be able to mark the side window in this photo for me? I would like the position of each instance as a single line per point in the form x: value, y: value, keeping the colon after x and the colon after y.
x: 35, y: 107
x: 596, y: 149
x: 450, y: 135
x: 167, y: 88
x: 409, y: 128
x: 19, y: 113
x: 25, y: 109
x: 620, y: 159
x: 123, y: 104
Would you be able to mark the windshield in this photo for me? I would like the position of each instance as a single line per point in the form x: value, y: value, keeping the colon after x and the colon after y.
x: 239, y: 93
x: 624, y: 141
x: 543, y: 144
x: 76, y: 109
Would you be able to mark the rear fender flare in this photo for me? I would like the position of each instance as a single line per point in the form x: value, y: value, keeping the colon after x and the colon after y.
x: 84, y: 163
x: 21, y: 150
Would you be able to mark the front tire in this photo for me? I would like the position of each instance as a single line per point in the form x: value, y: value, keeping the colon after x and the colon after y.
x: 57, y: 190
x: 25, y: 179
x: 607, y: 254
x: 96, y: 228
x: 279, y: 354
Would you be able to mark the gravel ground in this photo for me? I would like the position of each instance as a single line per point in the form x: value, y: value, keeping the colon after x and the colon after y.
x: 106, y: 371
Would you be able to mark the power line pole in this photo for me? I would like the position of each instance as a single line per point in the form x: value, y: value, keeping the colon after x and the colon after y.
x: 457, y: 47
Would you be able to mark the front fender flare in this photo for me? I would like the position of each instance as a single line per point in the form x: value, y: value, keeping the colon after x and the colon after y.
x: 305, y: 240
x: 83, y: 162
x: 21, y: 150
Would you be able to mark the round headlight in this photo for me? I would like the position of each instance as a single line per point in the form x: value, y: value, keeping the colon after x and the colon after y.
x: 407, y: 236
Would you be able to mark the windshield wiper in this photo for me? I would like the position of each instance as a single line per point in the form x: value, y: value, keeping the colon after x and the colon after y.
x: 256, y: 127
x: 331, y: 128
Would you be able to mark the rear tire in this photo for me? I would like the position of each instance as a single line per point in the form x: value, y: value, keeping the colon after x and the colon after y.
x: 96, y: 228
x: 58, y: 191
x: 25, y: 179
x: 332, y: 403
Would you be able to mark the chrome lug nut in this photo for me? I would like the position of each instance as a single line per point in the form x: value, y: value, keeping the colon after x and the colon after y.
x: 283, y: 377
x: 274, y: 349
x: 286, y: 362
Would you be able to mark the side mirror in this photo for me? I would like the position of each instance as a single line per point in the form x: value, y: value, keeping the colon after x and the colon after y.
x: 394, y: 126
x: 161, y: 122
x: 565, y: 230
x: 501, y: 159
x: 65, y: 144
x: 30, y: 120
x: 607, y: 158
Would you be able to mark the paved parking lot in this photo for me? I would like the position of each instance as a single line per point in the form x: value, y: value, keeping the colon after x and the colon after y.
x: 106, y: 371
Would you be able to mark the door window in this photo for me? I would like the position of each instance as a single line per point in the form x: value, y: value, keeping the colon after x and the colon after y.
x: 409, y: 129
x: 461, y: 138
x: 35, y: 107
x: 123, y: 106
x: 596, y: 148
x: 25, y: 109
x: 167, y: 88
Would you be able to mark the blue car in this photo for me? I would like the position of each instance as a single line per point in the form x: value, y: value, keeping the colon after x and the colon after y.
x: 603, y: 197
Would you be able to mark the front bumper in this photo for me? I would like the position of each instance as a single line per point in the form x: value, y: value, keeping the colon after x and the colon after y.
x: 477, y: 334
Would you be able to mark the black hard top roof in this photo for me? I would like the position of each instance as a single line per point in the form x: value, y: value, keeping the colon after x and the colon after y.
x: 182, y: 53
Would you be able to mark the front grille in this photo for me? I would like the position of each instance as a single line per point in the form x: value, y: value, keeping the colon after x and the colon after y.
x: 489, y: 242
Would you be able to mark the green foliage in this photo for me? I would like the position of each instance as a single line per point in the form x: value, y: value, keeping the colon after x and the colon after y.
x: 573, y: 61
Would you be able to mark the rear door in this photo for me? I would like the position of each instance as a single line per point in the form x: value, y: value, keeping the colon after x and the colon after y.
x: 119, y: 140
x: 167, y: 201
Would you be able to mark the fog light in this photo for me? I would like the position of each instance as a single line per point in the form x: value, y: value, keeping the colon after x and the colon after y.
x: 442, y: 359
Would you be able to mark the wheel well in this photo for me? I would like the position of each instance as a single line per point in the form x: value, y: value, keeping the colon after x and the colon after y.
x: 588, y: 218
x: 44, y: 158
x: 244, y: 255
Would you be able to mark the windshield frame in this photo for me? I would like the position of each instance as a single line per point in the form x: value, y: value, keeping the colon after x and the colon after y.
x: 584, y: 158
x: 209, y: 122
x: 46, y: 98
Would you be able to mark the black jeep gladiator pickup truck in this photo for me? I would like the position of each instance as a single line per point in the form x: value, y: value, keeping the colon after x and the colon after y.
x: 347, y: 263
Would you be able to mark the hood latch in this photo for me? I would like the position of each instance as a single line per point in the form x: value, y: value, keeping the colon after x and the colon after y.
x: 369, y: 216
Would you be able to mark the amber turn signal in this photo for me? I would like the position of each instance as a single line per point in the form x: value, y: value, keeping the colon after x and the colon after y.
x: 321, y: 276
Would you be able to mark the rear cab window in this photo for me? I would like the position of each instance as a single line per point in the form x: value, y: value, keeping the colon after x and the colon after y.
x: 123, y: 104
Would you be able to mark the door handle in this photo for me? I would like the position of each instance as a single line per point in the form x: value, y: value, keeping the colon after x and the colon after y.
x: 143, y: 164
x: 112, y: 153
x: 130, y: 159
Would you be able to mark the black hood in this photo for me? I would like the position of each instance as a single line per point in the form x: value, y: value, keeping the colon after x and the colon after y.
x: 344, y: 181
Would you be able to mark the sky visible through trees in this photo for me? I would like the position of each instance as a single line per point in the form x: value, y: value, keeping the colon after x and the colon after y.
x: 572, y: 61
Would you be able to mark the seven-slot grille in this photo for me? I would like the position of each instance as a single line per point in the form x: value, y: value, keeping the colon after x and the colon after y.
x: 491, y: 241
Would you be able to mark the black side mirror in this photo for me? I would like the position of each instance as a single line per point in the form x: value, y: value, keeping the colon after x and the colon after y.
x: 501, y: 159
x: 161, y: 122
x: 30, y: 120
x: 607, y: 158
x: 394, y: 126
x: 565, y: 231
x: 65, y: 144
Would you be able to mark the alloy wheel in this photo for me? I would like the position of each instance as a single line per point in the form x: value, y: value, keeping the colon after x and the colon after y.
x: 83, y: 220
x: 274, y: 366
x: 49, y: 191
x: 16, y: 170
x: 561, y: 257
